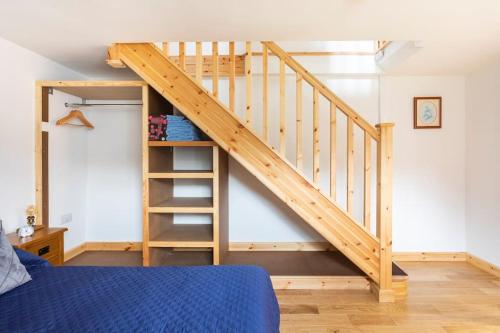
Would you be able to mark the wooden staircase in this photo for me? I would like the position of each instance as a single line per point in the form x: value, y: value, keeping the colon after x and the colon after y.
x: 170, y: 77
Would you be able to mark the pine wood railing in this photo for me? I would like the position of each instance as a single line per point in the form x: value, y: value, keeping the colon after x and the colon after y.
x: 238, y: 68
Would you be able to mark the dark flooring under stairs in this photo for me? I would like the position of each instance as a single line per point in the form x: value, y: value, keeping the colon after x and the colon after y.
x: 298, y: 263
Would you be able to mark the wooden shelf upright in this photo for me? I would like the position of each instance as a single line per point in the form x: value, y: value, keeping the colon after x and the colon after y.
x: 165, y: 242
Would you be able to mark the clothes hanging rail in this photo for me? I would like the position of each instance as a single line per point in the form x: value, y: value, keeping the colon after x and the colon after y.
x: 79, y: 105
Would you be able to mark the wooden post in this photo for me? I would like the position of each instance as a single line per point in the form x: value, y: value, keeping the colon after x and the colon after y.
x: 367, y: 181
x: 165, y: 48
x: 316, y: 159
x: 282, y: 109
x: 182, y: 55
x: 350, y: 165
x: 333, y: 150
x: 232, y: 71
x: 248, y: 73
x: 298, y: 120
x: 265, y: 99
x: 199, y: 62
x: 384, y: 210
x: 215, y: 71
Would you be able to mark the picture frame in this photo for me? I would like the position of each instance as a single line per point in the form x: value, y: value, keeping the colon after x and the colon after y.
x: 427, y: 112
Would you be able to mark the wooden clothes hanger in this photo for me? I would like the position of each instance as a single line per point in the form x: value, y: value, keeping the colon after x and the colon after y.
x: 75, y: 114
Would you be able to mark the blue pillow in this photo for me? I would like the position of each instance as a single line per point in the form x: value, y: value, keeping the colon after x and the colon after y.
x: 30, y: 260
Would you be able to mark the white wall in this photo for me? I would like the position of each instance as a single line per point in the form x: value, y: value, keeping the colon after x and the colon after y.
x: 256, y: 215
x: 114, y: 174
x: 96, y: 175
x: 429, y: 165
x: 19, y: 70
x: 67, y: 171
x: 483, y: 163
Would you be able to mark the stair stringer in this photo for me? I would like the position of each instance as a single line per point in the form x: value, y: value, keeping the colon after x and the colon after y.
x: 212, y: 117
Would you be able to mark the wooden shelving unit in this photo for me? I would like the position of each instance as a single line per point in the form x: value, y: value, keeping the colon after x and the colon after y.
x: 165, y: 242
x: 182, y: 144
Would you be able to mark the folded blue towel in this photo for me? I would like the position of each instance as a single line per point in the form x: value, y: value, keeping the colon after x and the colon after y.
x: 181, y: 129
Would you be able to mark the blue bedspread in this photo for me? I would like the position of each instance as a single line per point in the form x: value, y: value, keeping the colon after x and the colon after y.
x: 141, y: 299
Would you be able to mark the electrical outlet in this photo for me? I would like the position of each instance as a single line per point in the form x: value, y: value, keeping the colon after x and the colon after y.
x: 66, y: 218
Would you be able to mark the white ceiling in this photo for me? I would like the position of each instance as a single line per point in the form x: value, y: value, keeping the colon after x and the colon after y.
x: 457, y: 36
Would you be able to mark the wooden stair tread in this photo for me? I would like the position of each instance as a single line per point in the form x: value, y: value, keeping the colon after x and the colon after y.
x: 182, y: 143
x: 184, y: 202
x: 189, y: 174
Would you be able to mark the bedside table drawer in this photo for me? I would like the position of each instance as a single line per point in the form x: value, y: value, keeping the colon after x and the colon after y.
x: 48, y: 248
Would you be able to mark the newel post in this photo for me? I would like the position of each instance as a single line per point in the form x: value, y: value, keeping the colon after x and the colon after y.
x: 384, y: 210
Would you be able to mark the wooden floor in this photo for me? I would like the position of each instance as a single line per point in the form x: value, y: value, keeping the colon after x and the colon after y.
x: 452, y: 297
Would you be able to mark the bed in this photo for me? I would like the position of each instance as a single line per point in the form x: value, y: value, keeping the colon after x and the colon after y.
x: 140, y: 299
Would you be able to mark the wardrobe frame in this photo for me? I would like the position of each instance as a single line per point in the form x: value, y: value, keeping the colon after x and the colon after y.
x: 41, y: 135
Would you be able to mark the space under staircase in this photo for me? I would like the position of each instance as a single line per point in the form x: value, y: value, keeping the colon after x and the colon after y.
x: 180, y: 79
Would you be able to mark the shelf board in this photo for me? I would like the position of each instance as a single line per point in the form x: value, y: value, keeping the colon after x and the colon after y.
x: 183, y: 205
x: 184, y: 235
x: 186, y: 174
x: 161, y: 256
x: 182, y: 144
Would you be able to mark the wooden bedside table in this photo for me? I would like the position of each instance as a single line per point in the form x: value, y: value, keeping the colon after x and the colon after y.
x: 47, y: 243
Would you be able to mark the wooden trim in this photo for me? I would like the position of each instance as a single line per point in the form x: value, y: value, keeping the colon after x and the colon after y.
x: 38, y: 153
x: 350, y: 165
x: 400, y: 287
x: 216, y: 216
x: 265, y: 96
x: 282, y: 109
x: 323, y: 53
x: 320, y: 282
x: 383, y: 295
x: 232, y: 74
x: 183, y: 244
x: 113, y: 246
x: 248, y: 74
x: 367, y: 193
x: 429, y: 256
x: 73, y: 252
x: 298, y: 123
x: 215, y: 71
x: 45, y: 178
x: 323, y: 90
x: 281, y: 246
x: 316, y: 147
x: 55, y: 84
x: 483, y: 265
x: 384, y: 208
x: 333, y: 151
x: 145, y: 173
x: 224, y: 65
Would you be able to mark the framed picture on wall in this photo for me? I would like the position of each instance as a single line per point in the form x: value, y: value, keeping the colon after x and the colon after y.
x: 427, y: 112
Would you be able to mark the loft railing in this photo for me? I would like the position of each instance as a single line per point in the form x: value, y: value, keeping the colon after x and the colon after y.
x: 231, y: 66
